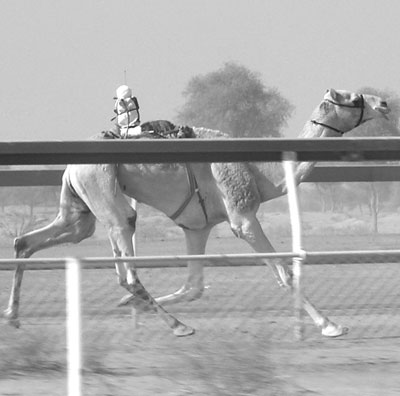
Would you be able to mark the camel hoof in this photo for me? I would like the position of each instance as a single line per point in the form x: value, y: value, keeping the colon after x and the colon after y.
x: 184, y: 294
x: 126, y: 300
x: 11, y: 320
x: 14, y: 323
x: 333, y: 330
x: 137, y: 302
x: 182, y: 330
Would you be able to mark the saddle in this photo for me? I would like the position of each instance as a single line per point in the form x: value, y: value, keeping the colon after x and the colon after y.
x: 159, y: 129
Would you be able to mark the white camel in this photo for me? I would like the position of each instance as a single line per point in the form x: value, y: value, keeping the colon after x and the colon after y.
x: 215, y: 193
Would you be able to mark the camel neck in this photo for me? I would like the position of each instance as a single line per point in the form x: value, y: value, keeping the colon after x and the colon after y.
x: 303, y: 169
x: 311, y: 130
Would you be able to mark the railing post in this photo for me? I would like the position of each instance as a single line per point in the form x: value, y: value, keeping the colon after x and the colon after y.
x: 134, y: 238
x: 74, y: 346
x: 289, y: 160
x: 134, y: 312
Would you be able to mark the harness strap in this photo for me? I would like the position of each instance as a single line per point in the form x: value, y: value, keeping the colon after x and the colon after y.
x: 327, y: 126
x: 362, y: 106
x: 193, y: 189
x: 126, y: 109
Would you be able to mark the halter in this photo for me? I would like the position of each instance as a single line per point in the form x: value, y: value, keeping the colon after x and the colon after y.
x: 360, y: 119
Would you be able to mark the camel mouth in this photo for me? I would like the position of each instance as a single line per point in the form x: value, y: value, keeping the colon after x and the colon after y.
x: 384, y: 110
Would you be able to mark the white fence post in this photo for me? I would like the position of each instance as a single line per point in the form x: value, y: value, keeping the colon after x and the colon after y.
x: 134, y: 312
x: 289, y: 160
x: 134, y: 239
x: 74, y: 345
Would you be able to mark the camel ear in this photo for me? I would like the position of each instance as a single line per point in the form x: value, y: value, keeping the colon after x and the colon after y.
x: 332, y: 94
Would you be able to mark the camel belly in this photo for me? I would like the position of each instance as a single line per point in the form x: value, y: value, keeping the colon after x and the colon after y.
x: 166, y: 187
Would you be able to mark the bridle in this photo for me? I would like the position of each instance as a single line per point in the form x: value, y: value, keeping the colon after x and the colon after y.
x: 360, y: 106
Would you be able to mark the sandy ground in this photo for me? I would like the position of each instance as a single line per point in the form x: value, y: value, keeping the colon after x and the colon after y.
x: 198, y: 367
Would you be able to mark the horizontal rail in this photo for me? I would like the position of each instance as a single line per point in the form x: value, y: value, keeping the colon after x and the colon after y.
x: 30, y: 177
x: 174, y: 261
x: 213, y: 260
x: 354, y: 173
x: 197, y: 150
x: 321, y: 173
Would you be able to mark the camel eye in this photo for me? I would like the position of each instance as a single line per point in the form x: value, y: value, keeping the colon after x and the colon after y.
x: 384, y: 104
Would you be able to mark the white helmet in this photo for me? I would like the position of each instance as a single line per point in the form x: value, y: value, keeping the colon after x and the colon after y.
x: 124, y: 92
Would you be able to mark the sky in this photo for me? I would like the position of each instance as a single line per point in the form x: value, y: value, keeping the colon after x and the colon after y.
x: 61, y: 61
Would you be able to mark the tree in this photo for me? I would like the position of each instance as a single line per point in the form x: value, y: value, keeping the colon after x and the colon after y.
x: 233, y: 99
x: 16, y: 222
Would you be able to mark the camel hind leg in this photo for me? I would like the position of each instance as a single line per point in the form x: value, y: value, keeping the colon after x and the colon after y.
x: 73, y: 223
x: 193, y: 288
x: 247, y: 227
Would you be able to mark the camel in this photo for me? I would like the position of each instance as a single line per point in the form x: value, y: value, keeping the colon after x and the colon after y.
x: 216, y: 193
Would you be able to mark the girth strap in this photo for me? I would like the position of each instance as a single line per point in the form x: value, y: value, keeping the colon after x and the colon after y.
x: 193, y: 189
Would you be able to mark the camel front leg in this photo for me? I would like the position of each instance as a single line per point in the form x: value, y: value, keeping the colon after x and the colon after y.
x: 139, y: 297
x: 11, y: 312
x: 193, y: 288
x: 249, y: 229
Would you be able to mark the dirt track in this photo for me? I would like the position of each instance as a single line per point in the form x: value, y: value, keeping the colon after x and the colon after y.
x: 149, y: 362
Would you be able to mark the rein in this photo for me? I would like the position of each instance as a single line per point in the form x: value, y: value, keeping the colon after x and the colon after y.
x: 360, y: 119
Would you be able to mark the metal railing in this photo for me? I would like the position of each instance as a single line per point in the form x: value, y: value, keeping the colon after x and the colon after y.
x: 198, y: 150
x: 348, y: 172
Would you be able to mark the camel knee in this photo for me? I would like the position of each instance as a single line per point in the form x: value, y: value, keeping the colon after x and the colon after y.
x: 80, y: 229
x: 237, y: 231
x: 21, y: 249
x: 131, y: 220
x: 122, y: 277
x: 244, y: 231
x: 240, y: 230
x: 121, y: 235
x: 131, y: 285
x: 121, y: 240
x: 122, y: 281
x: 283, y: 275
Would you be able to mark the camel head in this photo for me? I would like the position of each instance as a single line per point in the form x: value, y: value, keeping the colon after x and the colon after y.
x: 341, y: 111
